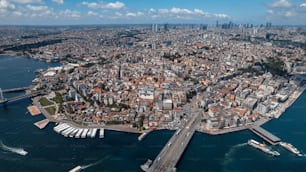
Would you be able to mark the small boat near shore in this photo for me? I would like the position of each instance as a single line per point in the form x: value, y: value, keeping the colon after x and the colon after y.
x: 142, y: 136
x: 146, y: 166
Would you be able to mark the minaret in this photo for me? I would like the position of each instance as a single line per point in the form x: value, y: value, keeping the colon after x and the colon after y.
x: 119, y: 72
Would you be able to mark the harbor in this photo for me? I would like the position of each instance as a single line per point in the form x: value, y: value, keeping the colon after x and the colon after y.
x: 68, y: 130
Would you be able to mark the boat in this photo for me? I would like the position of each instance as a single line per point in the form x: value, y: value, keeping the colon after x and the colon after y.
x: 89, y: 132
x: 78, y: 135
x: 142, y: 136
x: 291, y: 148
x: 61, y: 127
x: 84, y: 133
x: 145, y: 167
x: 67, y: 131
x: 19, y: 151
x: 72, y: 134
x: 76, y: 169
x: 262, y: 147
x: 101, y: 134
x: 93, y: 133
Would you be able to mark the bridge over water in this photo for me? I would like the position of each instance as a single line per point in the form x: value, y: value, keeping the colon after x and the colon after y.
x: 169, y: 156
x: 4, y: 100
x: 15, y: 89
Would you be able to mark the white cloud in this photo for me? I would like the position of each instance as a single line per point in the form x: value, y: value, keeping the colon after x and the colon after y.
x: 115, y: 5
x: 270, y: 11
x: 58, y: 1
x: 37, y: 8
x: 102, y: 5
x: 27, y: 1
x: 163, y: 11
x: 91, y: 13
x: 180, y: 11
x: 152, y: 10
x: 221, y: 16
x: 17, y: 13
x: 4, y: 4
x: 281, y: 4
x: 118, y: 14
x: 303, y: 5
x: 198, y: 11
x: 288, y: 14
x: 90, y: 4
x: 131, y: 14
x: 70, y: 14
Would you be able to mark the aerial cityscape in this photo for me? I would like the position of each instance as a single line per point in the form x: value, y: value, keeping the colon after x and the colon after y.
x: 152, y: 86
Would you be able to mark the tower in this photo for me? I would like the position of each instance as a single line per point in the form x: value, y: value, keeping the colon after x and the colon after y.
x: 1, y: 94
x: 119, y: 71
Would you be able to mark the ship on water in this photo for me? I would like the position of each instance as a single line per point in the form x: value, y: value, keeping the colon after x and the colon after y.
x: 291, y: 148
x: 262, y: 147
x: 145, y: 167
x: 76, y: 169
x: 19, y: 151
x: 142, y: 136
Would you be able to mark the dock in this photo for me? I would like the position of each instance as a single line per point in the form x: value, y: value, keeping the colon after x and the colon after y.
x: 266, y: 135
x: 42, y: 124
x: 34, y: 111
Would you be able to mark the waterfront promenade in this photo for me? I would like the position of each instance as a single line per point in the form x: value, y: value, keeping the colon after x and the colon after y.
x: 54, y: 118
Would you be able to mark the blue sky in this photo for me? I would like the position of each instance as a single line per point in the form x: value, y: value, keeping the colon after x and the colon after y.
x: 54, y: 12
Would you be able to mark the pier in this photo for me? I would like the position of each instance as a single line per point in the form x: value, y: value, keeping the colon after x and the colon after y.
x: 42, y: 124
x: 266, y: 135
x: 167, y: 159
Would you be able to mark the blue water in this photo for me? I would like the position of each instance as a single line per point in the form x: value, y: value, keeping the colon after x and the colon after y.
x: 118, y: 151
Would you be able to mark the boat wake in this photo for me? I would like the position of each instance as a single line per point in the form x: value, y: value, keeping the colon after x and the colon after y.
x: 93, y: 164
x: 302, y: 155
x: 229, y: 154
x: 19, y: 151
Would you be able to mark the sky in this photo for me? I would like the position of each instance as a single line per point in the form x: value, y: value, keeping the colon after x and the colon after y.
x: 75, y: 12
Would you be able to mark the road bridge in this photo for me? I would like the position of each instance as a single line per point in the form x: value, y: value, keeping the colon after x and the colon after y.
x: 169, y: 156
x: 16, y: 89
x: 27, y: 95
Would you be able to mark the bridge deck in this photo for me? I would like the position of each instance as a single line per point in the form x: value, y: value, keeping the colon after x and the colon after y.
x: 15, y: 89
x: 173, y: 150
x: 12, y: 99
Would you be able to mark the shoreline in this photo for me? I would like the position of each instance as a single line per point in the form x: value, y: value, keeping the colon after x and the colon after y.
x: 127, y: 129
x: 292, y: 98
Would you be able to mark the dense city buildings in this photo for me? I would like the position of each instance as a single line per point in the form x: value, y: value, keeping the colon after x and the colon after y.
x: 147, y: 77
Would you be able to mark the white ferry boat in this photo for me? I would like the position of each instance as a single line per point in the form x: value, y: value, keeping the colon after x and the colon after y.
x: 291, y: 148
x: 262, y: 147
